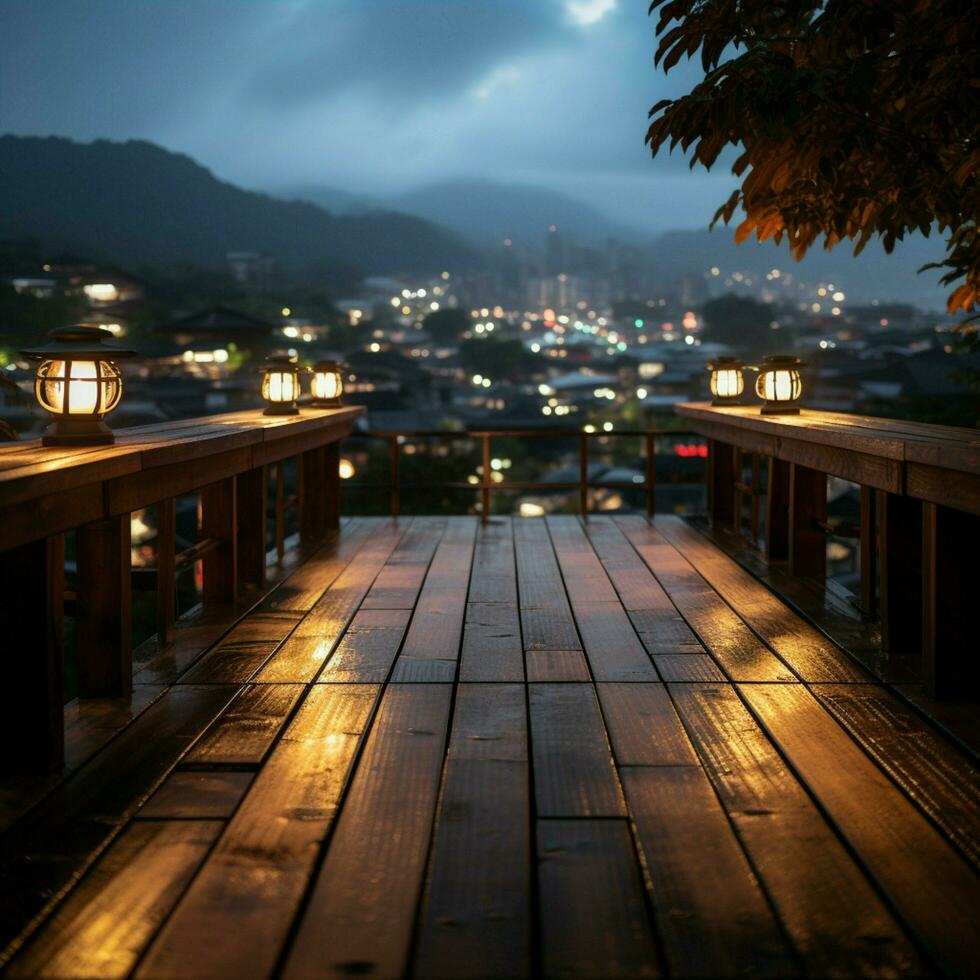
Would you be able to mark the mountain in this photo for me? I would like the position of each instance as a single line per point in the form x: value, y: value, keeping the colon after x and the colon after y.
x: 485, y: 211
x: 137, y: 203
x: 873, y: 274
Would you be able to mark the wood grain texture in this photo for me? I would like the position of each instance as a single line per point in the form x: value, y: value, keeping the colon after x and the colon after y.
x: 362, y: 907
x: 932, y: 887
x: 594, y: 921
x: 234, y: 918
x: 368, y: 649
x: 573, y: 769
x: 643, y: 726
x: 196, y: 796
x: 476, y: 916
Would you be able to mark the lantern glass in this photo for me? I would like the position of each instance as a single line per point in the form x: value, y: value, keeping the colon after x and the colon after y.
x: 78, y: 387
x: 280, y: 387
x: 328, y: 384
x: 727, y: 383
x: 780, y: 384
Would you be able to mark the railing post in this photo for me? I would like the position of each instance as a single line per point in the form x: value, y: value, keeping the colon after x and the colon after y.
x: 868, y: 551
x: 950, y: 540
x: 166, y: 569
x: 721, y: 483
x: 754, y: 501
x: 583, y: 474
x: 218, y: 521
x: 331, y: 486
x: 900, y: 547
x: 312, y: 495
x: 252, y: 506
x: 651, y: 466
x: 103, y: 624
x: 31, y: 621
x: 807, y: 509
x: 485, y: 483
x: 395, y: 490
x: 280, y: 511
x: 777, y: 510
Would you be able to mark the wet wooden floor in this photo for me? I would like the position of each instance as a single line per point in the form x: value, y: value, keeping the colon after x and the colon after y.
x: 535, y: 748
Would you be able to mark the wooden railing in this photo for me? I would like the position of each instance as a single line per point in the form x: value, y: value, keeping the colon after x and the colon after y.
x: 919, y: 528
x: 47, y: 491
x: 487, y: 486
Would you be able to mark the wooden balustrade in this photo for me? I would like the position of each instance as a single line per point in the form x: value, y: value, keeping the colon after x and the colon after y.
x: 46, y: 492
x: 919, y: 533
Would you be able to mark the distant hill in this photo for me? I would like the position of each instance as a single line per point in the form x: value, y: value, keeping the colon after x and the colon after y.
x: 872, y: 275
x: 137, y: 203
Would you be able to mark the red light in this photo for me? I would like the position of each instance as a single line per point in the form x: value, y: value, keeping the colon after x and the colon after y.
x: 688, y: 452
x: 507, y: 243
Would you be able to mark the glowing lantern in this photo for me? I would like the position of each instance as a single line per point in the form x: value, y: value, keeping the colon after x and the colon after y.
x: 280, y: 385
x: 328, y: 384
x: 79, y: 383
x: 780, y: 385
x: 727, y: 380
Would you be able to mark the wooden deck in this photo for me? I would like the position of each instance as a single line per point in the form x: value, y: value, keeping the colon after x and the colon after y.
x: 535, y: 748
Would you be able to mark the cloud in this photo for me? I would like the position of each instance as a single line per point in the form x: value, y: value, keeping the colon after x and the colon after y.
x: 585, y: 12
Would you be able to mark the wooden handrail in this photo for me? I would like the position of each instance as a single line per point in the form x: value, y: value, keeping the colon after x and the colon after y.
x: 919, y: 532
x: 46, y: 491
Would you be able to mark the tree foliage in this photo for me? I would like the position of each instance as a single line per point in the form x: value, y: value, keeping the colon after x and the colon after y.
x: 851, y: 119
x: 447, y: 325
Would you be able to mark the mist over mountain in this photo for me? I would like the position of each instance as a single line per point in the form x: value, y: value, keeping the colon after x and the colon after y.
x: 485, y: 212
x: 137, y: 203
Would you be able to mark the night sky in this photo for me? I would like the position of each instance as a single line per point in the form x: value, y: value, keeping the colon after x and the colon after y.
x: 373, y: 96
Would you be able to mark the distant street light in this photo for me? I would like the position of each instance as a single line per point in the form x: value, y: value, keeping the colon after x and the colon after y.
x: 79, y: 383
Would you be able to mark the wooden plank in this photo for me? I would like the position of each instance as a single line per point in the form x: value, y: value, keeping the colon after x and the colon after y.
x: 689, y: 667
x: 950, y: 488
x: 695, y: 864
x: 253, y: 505
x: 219, y: 521
x: 103, y: 622
x: 721, y: 483
x: 546, y: 617
x: 398, y: 584
x: 363, y: 904
x: 303, y: 655
x: 102, y: 927
x: 900, y: 548
x: 187, y: 795
x: 930, y: 885
x: 44, y: 853
x: 492, y: 644
x: 807, y: 509
x: 585, y: 579
x: 660, y: 626
x: 166, y: 568
x: 32, y: 624
x: 593, y: 917
x: 573, y: 770
x: 950, y: 544
x: 835, y: 919
x: 234, y: 918
x: 807, y: 651
x: 431, y: 649
x: 942, y: 780
x: 643, y: 726
x: 368, y: 648
x: 246, y: 729
x: 740, y: 653
x: 243, y: 649
x: 556, y: 666
x: 612, y: 646
x: 476, y: 915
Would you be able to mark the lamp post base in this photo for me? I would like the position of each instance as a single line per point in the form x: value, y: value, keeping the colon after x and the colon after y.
x: 326, y: 403
x: 78, y: 432
x: 726, y: 402
x: 780, y: 410
x: 281, y: 410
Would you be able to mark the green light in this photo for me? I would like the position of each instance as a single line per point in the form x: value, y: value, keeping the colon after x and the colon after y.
x: 638, y: 324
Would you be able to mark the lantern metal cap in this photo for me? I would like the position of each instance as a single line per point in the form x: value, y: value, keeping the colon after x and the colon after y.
x: 724, y: 363
x: 329, y: 364
x: 81, y: 341
x: 782, y: 361
x: 279, y: 361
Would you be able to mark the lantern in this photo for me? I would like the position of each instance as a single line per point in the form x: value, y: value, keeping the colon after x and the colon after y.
x: 280, y: 385
x: 327, y: 386
x: 780, y: 385
x: 79, y: 383
x: 727, y: 381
